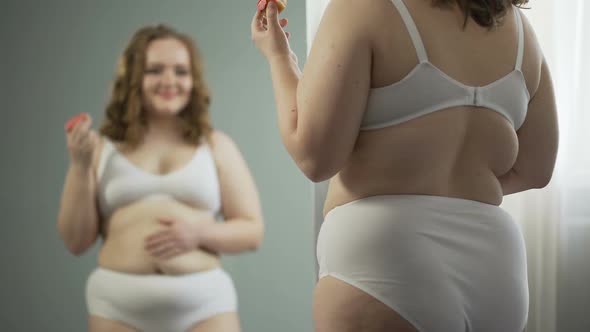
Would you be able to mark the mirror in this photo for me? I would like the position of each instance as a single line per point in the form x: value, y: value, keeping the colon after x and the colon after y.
x: 61, y: 61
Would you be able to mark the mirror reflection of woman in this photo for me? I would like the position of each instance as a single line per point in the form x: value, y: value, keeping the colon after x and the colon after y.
x: 423, y: 115
x: 150, y: 184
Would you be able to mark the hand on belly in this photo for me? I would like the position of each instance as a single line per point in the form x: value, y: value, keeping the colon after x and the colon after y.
x: 157, y: 236
x: 177, y: 237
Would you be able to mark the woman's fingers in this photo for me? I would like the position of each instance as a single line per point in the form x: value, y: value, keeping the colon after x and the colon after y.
x: 159, y: 245
x: 257, y: 22
x: 283, y: 23
x: 157, y: 239
x: 165, y: 251
x: 80, y: 130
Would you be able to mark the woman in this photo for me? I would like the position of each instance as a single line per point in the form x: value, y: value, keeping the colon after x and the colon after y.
x: 423, y: 115
x: 151, y: 185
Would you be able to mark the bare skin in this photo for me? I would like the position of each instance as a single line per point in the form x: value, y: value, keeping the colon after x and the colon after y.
x: 128, y: 227
x: 222, y: 322
x: 133, y: 240
x: 98, y: 324
x: 471, y: 147
x: 126, y: 230
x: 463, y: 152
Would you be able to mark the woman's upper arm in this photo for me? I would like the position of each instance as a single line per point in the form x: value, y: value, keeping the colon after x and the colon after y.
x: 239, y: 195
x: 539, y: 135
x: 334, y: 87
x: 95, y: 178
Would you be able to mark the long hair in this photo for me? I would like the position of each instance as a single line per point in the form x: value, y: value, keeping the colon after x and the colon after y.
x: 125, y: 118
x: 486, y: 13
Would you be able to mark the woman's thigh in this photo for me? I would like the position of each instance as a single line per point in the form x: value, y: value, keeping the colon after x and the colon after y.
x: 99, y: 324
x: 225, y: 322
x: 340, y: 307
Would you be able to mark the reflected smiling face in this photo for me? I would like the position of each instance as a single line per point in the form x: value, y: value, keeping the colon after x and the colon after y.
x: 167, y: 81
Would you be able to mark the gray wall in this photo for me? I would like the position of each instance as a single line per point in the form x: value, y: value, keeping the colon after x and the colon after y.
x: 58, y: 59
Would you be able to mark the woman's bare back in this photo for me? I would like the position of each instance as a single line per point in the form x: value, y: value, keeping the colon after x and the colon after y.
x: 457, y: 152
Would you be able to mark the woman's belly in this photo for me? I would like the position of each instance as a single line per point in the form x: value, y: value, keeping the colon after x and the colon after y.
x: 126, y: 232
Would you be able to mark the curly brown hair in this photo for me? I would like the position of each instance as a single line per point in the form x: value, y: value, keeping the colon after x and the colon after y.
x: 486, y: 13
x: 125, y: 118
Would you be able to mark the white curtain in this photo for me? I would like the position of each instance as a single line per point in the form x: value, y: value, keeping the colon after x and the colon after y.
x: 549, y: 214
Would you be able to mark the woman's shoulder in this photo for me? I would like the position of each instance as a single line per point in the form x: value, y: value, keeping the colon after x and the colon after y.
x: 533, y: 56
x: 223, y: 147
x: 97, y: 153
x: 353, y: 15
x: 219, y: 140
